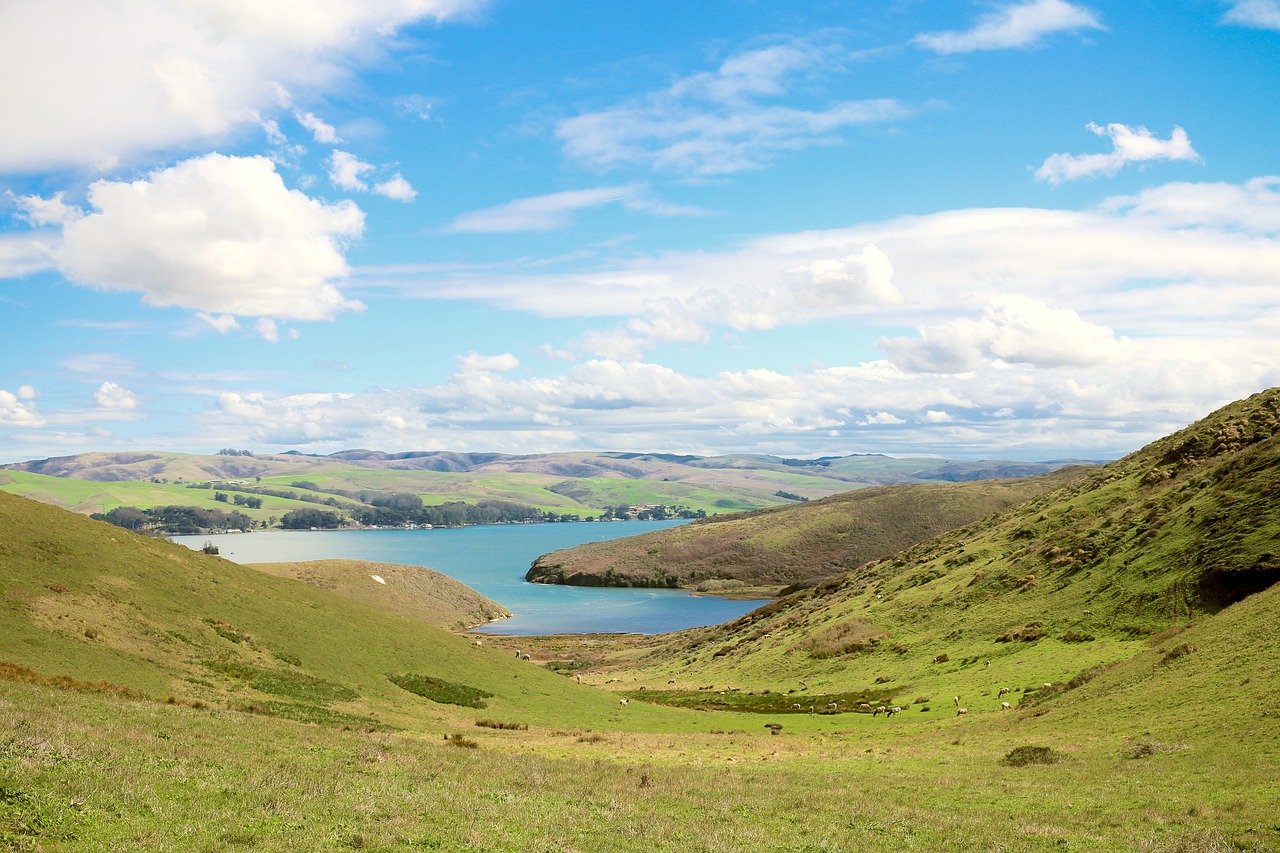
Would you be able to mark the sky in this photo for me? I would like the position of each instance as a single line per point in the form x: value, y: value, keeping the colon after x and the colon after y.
x: 1036, y: 229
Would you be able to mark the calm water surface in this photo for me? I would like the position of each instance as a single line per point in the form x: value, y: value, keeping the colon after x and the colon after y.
x: 493, y: 559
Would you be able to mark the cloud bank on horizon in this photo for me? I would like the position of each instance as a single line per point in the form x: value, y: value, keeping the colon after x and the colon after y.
x: 1028, y: 228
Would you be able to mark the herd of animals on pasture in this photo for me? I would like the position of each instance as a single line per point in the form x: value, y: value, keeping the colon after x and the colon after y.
x: 831, y: 707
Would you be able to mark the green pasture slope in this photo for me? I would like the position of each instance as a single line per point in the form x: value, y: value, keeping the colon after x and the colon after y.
x: 155, y: 698
x: 767, y: 550
x: 90, y: 496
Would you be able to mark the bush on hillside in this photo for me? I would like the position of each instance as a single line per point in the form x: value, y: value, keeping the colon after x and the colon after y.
x: 1022, y: 756
x: 1022, y: 634
x: 439, y: 690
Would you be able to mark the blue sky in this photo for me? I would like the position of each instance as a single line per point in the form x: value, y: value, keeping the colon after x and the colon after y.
x: 1030, y: 229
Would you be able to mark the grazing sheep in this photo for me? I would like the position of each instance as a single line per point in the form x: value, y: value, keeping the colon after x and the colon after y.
x: 811, y: 710
x: 1088, y: 613
x: 526, y: 656
x: 517, y: 653
x: 833, y: 706
x: 960, y: 712
x: 956, y: 700
x: 1048, y: 684
x: 864, y: 707
x: 479, y: 643
x: 795, y: 706
x: 1004, y: 706
x: 988, y: 663
x: 623, y: 702
x: 1005, y: 691
x: 896, y: 709
x: 879, y: 710
x: 577, y: 679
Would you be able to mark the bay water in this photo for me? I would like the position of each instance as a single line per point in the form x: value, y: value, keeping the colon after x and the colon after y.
x: 493, y: 560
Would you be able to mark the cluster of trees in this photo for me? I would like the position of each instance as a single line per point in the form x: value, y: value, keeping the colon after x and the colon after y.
x: 306, y: 519
x: 228, y: 451
x: 175, y: 520
x: 401, y: 509
x: 790, y: 496
x: 266, y: 490
x: 240, y: 500
x: 624, y: 512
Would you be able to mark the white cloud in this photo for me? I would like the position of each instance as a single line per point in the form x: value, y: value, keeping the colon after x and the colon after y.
x: 1017, y: 25
x: 112, y: 396
x: 1260, y: 14
x: 604, y: 403
x: 321, y: 131
x: 396, y: 188
x: 474, y: 362
x: 1252, y: 207
x: 716, y: 123
x: 17, y: 410
x: 216, y: 235
x: 22, y: 254
x: 221, y: 323
x: 105, y: 82
x: 41, y: 212
x: 557, y: 210
x: 1013, y: 329
x: 267, y: 330
x: 1129, y: 145
x: 345, y: 170
x: 881, y: 419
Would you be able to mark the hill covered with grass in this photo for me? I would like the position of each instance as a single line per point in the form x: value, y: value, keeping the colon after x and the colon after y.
x: 354, y: 485
x: 763, y: 551
x: 152, y: 697
x: 418, y: 593
x: 1078, y: 577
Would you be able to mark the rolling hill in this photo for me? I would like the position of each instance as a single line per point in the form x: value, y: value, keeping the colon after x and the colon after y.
x: 566, y: 485
x: 763, y: 551
x: 1077, y: 577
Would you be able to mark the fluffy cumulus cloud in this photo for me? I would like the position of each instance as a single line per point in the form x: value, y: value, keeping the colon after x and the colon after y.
x: 112, y: 396
x: 474, y: 362
x: 348, y: 172
x: 1016, y: 25
x: 19, y: 409
x: 719, y: 122
x: 611, y: 404
x: 1014, y: 329
x: 1128, y: 145
x: 396, y: 188
x: 321, y: 131
x: 218, y: 235
x: 105, y: 82
x: 1260, y: 14
x: 1031, y: 324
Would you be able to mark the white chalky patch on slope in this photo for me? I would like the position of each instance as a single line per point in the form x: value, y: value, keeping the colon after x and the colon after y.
x: 378, y: 579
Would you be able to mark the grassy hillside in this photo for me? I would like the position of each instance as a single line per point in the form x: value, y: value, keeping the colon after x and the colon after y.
x: 766, y: 550
x: 420, y: 594
x: 1130, y: 615
x: 92, y: 603
x: 570, y: 484
x: 1078, y: 577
